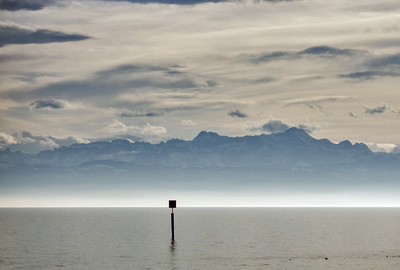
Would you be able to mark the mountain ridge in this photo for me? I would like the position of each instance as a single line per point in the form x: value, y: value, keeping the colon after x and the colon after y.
x: 291, y: 148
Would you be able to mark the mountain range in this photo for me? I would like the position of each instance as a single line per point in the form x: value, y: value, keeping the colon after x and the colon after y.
x: 294, y: 148
x: 243, y: 170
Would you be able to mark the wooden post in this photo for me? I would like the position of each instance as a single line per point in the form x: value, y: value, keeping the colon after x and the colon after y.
x: 172, y: 226
x: 172, y: 205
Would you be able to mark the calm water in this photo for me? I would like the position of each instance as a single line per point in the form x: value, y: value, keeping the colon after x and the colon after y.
x: 206, y: 238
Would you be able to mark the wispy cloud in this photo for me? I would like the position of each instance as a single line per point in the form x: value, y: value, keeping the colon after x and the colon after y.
x: 351, y: 114
x: 382, y: 147
x: 379, y: 109
x: 11, y: 33
x: 190, y: 2
x: 376, y: 67
x: 152, y: 130
x: 385, y: 61
x: 315, y: 102
x: 188, y: 123
x: 50, y: 103
x: 317, y: 51
x: 128, y: 113
x: 327, y: 51
x: 171, y: 2
x: 119, y: 127
x: 28, y: 142
x: 237, y: 113
x: 5, y: 58
x: 368, y: 75
x: 14, y: 5
x: 268, y: 57
x: 121, y: 79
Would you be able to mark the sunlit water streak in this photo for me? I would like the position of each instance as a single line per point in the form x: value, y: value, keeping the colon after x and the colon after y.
x: 205, y: 238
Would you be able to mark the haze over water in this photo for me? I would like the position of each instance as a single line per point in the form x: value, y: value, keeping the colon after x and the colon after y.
x: 206, y: 238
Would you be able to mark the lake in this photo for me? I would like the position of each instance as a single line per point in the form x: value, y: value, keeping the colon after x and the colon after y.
x: 205, y: 238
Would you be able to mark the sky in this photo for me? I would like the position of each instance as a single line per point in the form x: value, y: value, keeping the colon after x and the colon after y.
x: 81, y: 71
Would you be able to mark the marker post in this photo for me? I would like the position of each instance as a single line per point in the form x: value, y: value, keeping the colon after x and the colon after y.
x: 172, y: 205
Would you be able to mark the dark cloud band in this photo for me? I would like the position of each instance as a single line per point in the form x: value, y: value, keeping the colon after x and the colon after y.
x: 368, y: 75
x: 13, y: 34
x: 49, y: 104
x: 14, y: 5
x: 327, y: 51
x: 318, y: 51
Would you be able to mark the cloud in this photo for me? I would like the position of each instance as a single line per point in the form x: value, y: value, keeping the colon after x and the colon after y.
x: 327, y: 51
x: 383, y: 107
x: 4, y: 58
x: 368, y: 75
x: 188, y: 123
x: 264, y: 80
x: 171, y: 2
x: 32, y: 76
x: 116, y: 126
x: 67, y: 141
x: 376, y: 7
x: 153, y: 130
x: 353, y: 115
x: 189, y: 2
x: 376, y: 67
x: 128, y: 113
x: 382, y: 147
x: 121, y: 79
x: 386, y: 61
x: 315, y: 102
x: 319, y: 51
x: 14, y: 5
x: 119, y: 127
x: 237, y: 113
x: 11, y: 33
x: 307, y: 78
x: 6, y: 140
x: 268, y: 57
x: 396, y: 150
x: 171, y: 101
x: 131, y: 138
x: 274, y: 125
x: 50, y: 104
x: 311, y: 127
x: 141, y: 68
x: 28, y: 142
x: 212, y: 83
x: 138, y: 114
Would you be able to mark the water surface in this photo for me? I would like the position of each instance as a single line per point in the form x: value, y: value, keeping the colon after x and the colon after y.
x: 205, y: 238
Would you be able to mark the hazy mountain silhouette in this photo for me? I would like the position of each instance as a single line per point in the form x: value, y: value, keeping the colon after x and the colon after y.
x: 292, y: 148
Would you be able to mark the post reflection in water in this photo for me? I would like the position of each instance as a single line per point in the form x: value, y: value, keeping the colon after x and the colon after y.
x: 172, y: 255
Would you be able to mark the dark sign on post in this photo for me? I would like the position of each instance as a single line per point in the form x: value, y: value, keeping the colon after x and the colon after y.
x: 172, y: 204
